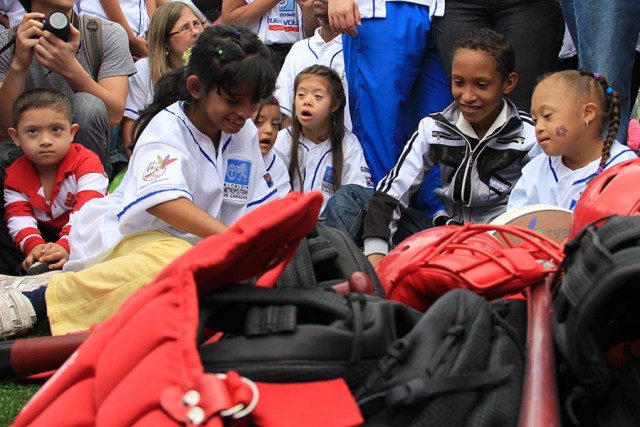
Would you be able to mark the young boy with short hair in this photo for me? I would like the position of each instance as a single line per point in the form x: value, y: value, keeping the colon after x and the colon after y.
x: 481, y: 142
x: 53, y: 179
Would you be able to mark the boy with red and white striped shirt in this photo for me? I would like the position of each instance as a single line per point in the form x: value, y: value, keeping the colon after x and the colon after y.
x: 53, y: 179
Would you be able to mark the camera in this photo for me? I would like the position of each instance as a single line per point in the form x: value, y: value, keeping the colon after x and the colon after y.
x: 58, y: 25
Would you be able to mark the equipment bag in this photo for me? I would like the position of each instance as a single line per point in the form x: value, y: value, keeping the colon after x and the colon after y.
x: 596, y: 311
x: 327, y: 256
x: 461, y: 365
x: 300, y: 334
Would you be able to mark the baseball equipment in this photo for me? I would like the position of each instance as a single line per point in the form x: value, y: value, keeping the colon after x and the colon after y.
x: 548, y: 220
x: 596, y: 309
x: 326, y: 257
x: 300, y: 334
x: 614, y: 192
x: 461, y: 365
x: 424, y: 267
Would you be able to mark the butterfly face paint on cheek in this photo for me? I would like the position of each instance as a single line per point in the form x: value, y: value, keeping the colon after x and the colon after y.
x: 561, y: 131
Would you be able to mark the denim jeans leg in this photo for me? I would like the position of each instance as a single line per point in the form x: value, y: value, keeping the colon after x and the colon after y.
x: 605, y: 35
x: 91, y: 114
x: 346, y: 209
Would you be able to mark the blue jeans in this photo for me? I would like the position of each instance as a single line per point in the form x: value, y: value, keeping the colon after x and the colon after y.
x: 605, y: 34
x: 395, y: 79
x: 347, y: 208
x: 534, y: 27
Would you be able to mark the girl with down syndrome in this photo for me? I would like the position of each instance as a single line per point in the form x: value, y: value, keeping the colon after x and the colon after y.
x: 196, y: 168
x: 320, y: 153
x: 570, y: 110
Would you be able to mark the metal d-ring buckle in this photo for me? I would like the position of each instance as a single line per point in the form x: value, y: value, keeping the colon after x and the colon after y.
x: 240, y: 410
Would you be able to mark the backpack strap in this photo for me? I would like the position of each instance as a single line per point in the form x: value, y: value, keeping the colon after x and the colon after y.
x: 92, y: 32
x: 248, y: 309
x: 11, y: 43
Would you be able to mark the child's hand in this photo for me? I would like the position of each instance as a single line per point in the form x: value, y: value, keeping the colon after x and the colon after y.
x: 33, y: 256
x: 54, y: 255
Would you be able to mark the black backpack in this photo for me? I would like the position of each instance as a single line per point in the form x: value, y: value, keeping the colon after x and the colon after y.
x: 459, y: 364
x: 299, y: 334
x: 596, y: 309
x: 327, y: 256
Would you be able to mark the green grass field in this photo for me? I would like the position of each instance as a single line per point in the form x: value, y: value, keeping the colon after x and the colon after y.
x: 15, y: 394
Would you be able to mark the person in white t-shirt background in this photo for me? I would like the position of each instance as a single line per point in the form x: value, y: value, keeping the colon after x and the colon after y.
x: 132, y: 15
x: 277, y: 23
x: 11, y: 13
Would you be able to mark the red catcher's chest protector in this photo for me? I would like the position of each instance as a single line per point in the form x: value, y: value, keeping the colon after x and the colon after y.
x: 142, y: 367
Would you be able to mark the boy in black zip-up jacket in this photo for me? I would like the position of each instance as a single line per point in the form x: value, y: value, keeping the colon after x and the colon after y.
x: 481, y: 142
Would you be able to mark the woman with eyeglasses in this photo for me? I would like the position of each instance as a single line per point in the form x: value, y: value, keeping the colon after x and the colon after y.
x: 175, y: 27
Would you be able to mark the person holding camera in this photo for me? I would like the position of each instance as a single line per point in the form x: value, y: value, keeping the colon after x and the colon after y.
x: 40, y: 59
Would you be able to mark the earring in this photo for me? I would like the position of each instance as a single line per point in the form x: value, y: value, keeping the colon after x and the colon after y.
x: 166, y: 51
x: 586, y: 123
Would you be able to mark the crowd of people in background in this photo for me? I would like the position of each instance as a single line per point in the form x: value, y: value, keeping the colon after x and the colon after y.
x: 147, y: 126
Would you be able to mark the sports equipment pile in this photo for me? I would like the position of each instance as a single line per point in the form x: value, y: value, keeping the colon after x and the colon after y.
x: 282, y: 322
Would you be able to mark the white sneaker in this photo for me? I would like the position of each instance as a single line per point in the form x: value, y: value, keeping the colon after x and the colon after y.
x: 17, y: 315
x: 23, y: 283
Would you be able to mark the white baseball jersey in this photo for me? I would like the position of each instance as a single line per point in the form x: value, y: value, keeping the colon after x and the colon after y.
x: 134, y: 11
x: 547, y: 180
x: 140, y: 90
x: 303, y: 54
x: 173, y: 159
x: 316, y: 163
x: 280, y: 25
x: 277, y: 173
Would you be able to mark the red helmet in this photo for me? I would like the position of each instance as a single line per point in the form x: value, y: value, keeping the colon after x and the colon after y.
x: 616, y: 191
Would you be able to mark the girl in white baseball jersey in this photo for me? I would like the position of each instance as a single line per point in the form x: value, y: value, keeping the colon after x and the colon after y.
x: 196, y: 168
x: 570, y: 109
x: 319, y: 152
x: 267, y: 120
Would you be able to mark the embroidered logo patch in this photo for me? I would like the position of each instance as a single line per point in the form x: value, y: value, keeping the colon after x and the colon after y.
x: 327, y: 181
x: 157, y: 168
x: 236, y: 179
x: 267, y: 178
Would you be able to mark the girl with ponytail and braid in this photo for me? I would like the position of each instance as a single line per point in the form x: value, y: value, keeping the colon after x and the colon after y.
x: 572, y: 110
x: 196, y: 169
